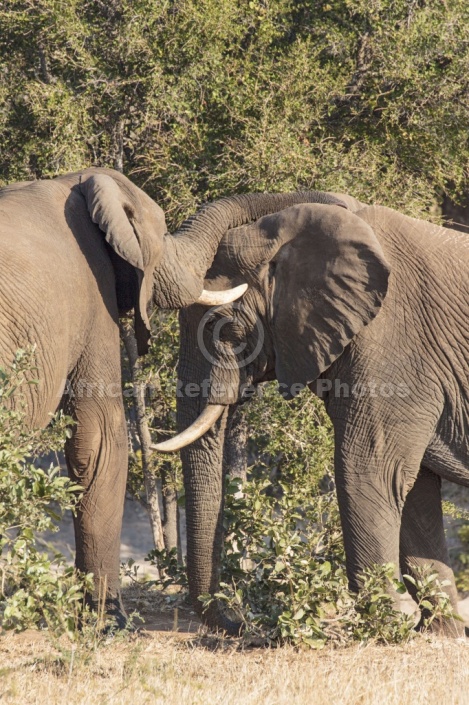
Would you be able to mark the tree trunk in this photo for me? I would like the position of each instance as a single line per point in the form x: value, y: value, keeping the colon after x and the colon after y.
x: 45, y: 73
x: 150, y: 480
x: 119, y: 146
x: 170, y: 510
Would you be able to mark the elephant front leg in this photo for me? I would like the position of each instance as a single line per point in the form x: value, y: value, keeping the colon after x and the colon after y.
x: 370, y: 522
x: 423, y: 543
x: 97, y: 458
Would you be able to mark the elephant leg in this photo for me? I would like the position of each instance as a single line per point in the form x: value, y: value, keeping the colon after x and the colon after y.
x: 422, y: 542
x: 373, y: 476
x: 370, y: 522
x: 378, y: 453
x: 97, y: 458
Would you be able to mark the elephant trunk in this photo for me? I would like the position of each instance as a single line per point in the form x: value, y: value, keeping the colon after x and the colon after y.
x: 189, y: 253
x: 204, y: 490
x: 202, y: 463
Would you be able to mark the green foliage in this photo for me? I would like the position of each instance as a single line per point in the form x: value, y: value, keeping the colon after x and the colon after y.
x: 35, y: 588
x: 290, y: 439
x: 170, y: 570
x: 432, y: 598
x: 451, y: 510
x: 200, y: 98
x: 284, y: 571
x: 283, y: 574
x: 161, y: 369
x: 462, y: 559
x: 459, y: 554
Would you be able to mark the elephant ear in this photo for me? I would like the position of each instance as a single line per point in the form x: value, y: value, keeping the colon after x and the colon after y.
x: 329, y: 282
x: 114, y: 208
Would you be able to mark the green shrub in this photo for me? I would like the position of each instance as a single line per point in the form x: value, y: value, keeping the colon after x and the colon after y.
x: 35, y: 589
x: 197, y: 99
x: 462, y: 559
x: 459, y: 553
x: 290, y: 440
x: 284, y: 570
x: 283, y: 573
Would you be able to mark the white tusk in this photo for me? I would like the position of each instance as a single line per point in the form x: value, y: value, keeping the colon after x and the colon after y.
x: 201, y: 425
x: 217, y: 298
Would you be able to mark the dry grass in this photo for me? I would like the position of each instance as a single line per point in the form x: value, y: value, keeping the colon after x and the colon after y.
x: 165, y: 668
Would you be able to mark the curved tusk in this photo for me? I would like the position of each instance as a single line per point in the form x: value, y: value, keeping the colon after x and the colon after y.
x: 201, y: 425
x: 217, y: 298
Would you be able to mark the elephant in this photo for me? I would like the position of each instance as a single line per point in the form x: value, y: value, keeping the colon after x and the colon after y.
x: 368, y: 308
x: 77, y: 251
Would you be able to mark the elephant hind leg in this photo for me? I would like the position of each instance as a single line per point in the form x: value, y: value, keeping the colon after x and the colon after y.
x: 423, y: 543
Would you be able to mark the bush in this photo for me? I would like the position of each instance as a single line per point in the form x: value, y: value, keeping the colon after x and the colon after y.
x: 36, y: 590
x: 283, y: 573
x: 290, y: 441
x: 197, y: 99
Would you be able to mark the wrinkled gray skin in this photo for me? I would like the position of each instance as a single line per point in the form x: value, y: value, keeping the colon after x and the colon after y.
x: 77, y: 251
x: 360, y: 299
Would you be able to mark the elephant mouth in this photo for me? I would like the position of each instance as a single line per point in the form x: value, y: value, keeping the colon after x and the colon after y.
x: 196, y: 430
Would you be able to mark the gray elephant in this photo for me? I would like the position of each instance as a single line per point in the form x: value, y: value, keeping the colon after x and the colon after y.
x: 76, y: 252
x: 370, y: 310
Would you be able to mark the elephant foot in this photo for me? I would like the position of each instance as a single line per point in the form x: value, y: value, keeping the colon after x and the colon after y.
x: 216, y: 620
x: 114, y: 616
x: 443, y: 626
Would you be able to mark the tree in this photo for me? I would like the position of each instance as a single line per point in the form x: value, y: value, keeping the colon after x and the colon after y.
x: 199, y: 98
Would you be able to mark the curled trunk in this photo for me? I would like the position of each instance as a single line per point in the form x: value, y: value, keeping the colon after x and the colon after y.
x: 189, y: 253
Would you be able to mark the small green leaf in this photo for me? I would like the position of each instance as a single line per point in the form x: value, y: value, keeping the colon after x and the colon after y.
x: 427, y: 605
x: 298, y: 614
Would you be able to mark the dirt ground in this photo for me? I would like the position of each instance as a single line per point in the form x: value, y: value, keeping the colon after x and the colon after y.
x: 184, y: 669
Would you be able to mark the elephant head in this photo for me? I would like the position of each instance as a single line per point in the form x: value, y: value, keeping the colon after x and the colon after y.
x: 317, y: 275
x: 150, y: 265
